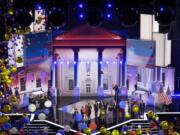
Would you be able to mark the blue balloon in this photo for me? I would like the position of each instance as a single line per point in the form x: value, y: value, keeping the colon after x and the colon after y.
x: 35, y: 132
x: 78, y: 117
x: 46, y: 111
x: 25, y: 120
x: 7, y: 126
x: 64, y: 109
x: 61, y: 131
x: 122, y: 104
x: 83, y: 126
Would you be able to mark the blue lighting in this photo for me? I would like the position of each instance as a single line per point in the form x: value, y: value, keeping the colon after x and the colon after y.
x: 55, y: 62
x: 81, y: 16
x: 81, y: 5
x: 38, y: 7
x: 120, y: 62
x: 109, y: 5
x: 161, y: 9
x: 108, y: 15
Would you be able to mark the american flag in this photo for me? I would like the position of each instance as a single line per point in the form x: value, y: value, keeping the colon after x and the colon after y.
x: 164, y: 99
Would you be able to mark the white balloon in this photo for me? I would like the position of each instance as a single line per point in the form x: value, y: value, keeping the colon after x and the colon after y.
x: 48, y: 103
x: 13, y: 130
x: 32, y: 107
x: 139, y: 126
x: 67, y: 128
x: 157, y: 118
x: 41, y: 116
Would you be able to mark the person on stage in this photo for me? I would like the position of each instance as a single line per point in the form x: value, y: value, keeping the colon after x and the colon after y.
x: 116, y: 89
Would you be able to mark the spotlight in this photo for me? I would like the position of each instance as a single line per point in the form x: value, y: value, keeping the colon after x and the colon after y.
x: 81, y: 5
x: 55, y: 62
x: 161, y: 9
x: 38, y: 7
x: 23, y: 18
x: 57, y: 17
x: 129, y: 16
x: 109, y: 5
x: 108, y: 15
x: 94, y: 16
x: 81, y: 15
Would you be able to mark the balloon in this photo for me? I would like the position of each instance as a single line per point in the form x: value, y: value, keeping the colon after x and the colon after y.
x: 135, y: 109
x: 108, y: 133
x: 13, y: 99
x: 3, y: 133
x: 150, y: 114
x: 164, y: 124
x: 25, y: 120
x: 32, y: 108
x: 93, y: 126
x: 11, y: 12
x: 1, y: 93
x: 115, y: 132
x: 103, y: 130
x: 61, y: 131
x: 122, y: 104
x: 67, y: 128
x: 176, y: 133
x: 13, y: 130
x: 87, y: 131
x: 9, y: 82
x: 127, y: 115
x: 64, y: 109
x: 78, y: 117
x: 13, y: 69
x: 41, y: 116
x: 19, y: 59
x: 7, y: 126
x: 27, y: 29
x: 102, y: 112
x: 83, y: 126
x: 46, y: 111
x: 7, y: 109
x: 7, y: 36
x: 48, y: 103
x: 6, y: 118
x: 5, y: 77
x: 138, y: 132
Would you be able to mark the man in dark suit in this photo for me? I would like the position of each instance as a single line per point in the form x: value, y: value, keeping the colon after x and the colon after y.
x: 116, y: 89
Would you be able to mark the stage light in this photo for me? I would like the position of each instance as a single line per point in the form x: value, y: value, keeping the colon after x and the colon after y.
x: 55, y: 62
x: 23, y: 18
x: 114, y: 62
x: 81, y: 5
x: 161, y: 9
x: 67, y: 62
x: 120, y: 62
x: 81, y: 16
x: 101, y: 62
x: 108, y: 15
x: 109, y: 5
x: 57, y: 17
x: 74, y: 62
x: 38, y: 7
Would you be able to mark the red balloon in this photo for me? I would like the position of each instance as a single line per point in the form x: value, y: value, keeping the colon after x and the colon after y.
x: 21, y: 132
x: 93, y: 126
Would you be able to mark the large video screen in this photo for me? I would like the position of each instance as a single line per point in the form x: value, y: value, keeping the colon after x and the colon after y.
x: 141, y: 53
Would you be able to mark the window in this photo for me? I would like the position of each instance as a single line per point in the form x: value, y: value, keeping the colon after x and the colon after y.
x: 88, y: 88
x: 71, y: 84
x: 38, y: 82
x: 105, y: 84
x: 22, y: 84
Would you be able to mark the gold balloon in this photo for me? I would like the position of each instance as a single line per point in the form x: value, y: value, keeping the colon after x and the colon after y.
x: 6, y: 118
x: 4, y: 68
x: 1, y: 93
x: 108, y: 133
x: 13, y: 99
x: 102, y: 112
x: 7, y: 109
x: 150, y: 114
x: 27, y: 29
x: 39, y: 20
x: 1, y: 120
x: 135, y: 109
x: 176, y: 133
x: 115, y: 132
x: 87, y: 131
x: 6, y: 77
x: 11, y: 11
x: 154, y: 116
x: 3, y: 133
x: 138, y: 132
x: 7, y: 36
x: 20, y: 32
x: 103, y: 130
x: 9, y: 29
x: 164, y: 124
x: 19, y: 59
x: 9, y: 82
x: 13, y: 69
x: 127, y: 115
